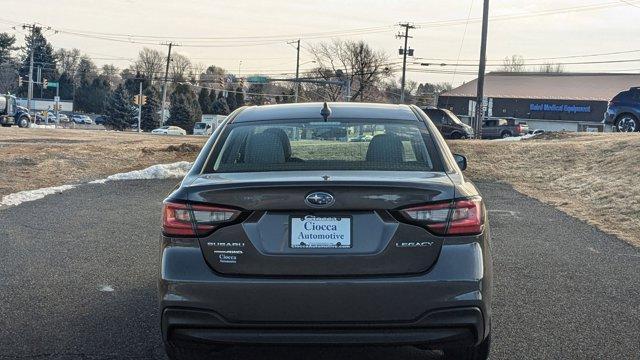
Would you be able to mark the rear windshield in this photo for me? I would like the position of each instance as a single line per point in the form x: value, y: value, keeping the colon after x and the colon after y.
x: 334, y: 145
x: 199, y: 125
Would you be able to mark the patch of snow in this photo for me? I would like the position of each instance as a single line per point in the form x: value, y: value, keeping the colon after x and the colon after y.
x: 105, y: 288
x: 31, y: 195
x: 41, y: 126
x: 517, y: 138
x: 160, y: 171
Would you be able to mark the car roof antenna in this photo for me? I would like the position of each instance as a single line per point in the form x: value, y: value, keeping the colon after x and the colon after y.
x: 325, y: 112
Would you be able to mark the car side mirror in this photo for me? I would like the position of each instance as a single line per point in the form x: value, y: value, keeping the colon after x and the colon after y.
x: 461, y: 160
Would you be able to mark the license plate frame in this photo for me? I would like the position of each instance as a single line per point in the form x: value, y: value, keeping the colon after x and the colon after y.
x: 296, y: 228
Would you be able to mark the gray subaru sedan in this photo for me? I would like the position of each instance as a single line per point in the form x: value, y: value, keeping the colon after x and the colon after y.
x: 339, y: 223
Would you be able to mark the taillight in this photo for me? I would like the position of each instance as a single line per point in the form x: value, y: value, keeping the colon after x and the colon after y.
x: 519, y: 128
x: 190, y: 220
x: 461, y: 217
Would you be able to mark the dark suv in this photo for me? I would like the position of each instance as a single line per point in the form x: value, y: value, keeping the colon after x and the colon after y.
x: 623, y: 112
x: 286, y: 232
x: 449, y: 124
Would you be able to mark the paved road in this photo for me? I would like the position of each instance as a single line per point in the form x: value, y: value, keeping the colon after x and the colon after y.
x: 563, y: 290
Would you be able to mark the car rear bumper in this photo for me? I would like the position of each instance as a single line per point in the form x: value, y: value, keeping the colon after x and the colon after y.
x: 450, y: 303
x: 460, y: 326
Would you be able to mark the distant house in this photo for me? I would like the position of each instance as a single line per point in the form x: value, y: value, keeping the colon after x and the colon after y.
x: 553, y: 101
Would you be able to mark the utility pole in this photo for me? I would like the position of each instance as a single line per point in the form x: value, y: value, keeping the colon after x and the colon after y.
x: 164, y: 86
x: 297, y: 83
x: 140, y: 107
x: 32, y: 27
x: 481, y: 70
x: 404, y: 52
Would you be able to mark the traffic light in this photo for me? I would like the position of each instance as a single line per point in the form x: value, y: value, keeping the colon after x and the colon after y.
x: 45, y: 83
x: 136, y: 100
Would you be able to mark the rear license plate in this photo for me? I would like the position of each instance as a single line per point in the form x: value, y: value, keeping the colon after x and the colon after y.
x: 315, y: 232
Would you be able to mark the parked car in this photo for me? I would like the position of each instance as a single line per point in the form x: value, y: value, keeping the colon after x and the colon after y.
x: 449, y: 125
x: 77, y: 118
x: 63, y: 118
x: 169, y: 130
x: 503, y: 128
x: 623, y: 111
x: 279, y: 238
x: 86, y: 119
x: 101, y: 119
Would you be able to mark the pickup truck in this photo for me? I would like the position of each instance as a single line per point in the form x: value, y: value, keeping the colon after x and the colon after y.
x: 503, y: 128
x: 12, y: 114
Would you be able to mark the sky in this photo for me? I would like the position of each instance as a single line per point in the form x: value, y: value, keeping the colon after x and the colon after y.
x: 251, y: 36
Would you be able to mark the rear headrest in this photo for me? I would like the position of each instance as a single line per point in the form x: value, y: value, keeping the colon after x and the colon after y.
x: 385, y: 148
x: 264, y: 148
x: 286, y: 144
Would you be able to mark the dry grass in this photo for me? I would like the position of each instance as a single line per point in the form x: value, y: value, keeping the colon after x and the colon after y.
x: 594, y: 177
x: 36, y: 158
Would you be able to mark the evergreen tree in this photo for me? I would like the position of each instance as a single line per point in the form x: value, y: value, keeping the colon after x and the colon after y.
x: 204, y: 101
x: 6, y: 46
x: 66, y: 86
x: 43, y: 57
x: 231, y: 101
x: 212, y: 99
x: 239, y: 97
x: 150, y: 111
x: 132, y: 84
x: 220, y: 107
x: 119, y: 110
x: 92, y: 98
x: 185, y: 109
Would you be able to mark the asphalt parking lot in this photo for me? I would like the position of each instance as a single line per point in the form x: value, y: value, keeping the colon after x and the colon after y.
x: 78, y: 270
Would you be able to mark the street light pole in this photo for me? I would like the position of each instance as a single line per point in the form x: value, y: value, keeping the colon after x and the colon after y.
x: 164, y: 86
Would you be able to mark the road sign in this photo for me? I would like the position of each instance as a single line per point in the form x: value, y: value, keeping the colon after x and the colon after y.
x: 53, y: 84
x: 258, y: 79
x: 56, y: 98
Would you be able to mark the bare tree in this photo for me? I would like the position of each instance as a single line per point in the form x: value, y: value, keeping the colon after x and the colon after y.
x: 179, y: 67
x: 551, y: 68
x: 110, y: 72
x: 86, y: 70
x: 353, y: 61
x: 197, y: 69
x: 212, y: 75
x: 515, y: 63
x: 150, y: 63
x: 68, y: 60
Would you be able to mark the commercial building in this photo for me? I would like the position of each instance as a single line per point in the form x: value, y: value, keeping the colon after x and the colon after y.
x: 549, y: 101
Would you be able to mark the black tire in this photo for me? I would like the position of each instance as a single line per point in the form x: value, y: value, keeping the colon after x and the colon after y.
x: 480, y: 352
x: 455, y: 135
x: 627, y: 123
x: 23, y: 122
x: 505, y: 134
x: 190, y: 351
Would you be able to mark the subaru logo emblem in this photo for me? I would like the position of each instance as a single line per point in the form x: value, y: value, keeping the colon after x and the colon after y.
x: 319, y: 199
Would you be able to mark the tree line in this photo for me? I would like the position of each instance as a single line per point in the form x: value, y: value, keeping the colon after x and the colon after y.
x: 195, y: 89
